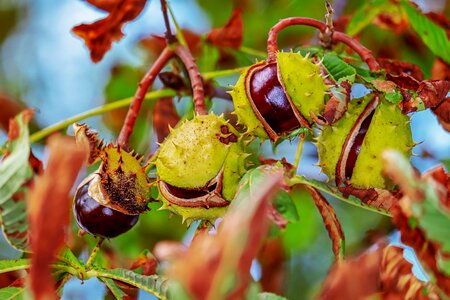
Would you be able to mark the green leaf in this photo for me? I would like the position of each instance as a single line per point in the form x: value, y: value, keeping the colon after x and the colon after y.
x: 13, y: 265
x: 11, y: 293
x: 154, y: 284
x: 115, y: 290
x: 270, y: 296
x: 14, y: 172
x: 364, y: 16
x: 394, y: 97
x: 431, y: 34
x: 70, y: 259
x: 285, y: 206
x: 338, y: 69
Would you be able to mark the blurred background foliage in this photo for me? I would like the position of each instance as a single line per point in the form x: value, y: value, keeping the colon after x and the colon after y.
x: 44, y: 66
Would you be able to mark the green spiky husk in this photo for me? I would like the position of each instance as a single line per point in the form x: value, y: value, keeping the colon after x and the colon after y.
x: 389, y: 129
x: 192, y: 154
x: 303, y: 83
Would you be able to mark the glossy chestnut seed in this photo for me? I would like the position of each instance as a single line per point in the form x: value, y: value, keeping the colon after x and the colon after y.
x: 99, y: 220
x: 271, y: 101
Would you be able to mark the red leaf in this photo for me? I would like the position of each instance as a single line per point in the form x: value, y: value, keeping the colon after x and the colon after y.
x: 442, y: 111
x: 155, y: 44
x: 49, y: 211
x: 100, y: 35
x: 231, y: 35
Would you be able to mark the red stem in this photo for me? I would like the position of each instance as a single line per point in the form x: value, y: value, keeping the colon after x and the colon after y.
x: 363, y: 52
x: 198, y: 92
x: 144, y: 85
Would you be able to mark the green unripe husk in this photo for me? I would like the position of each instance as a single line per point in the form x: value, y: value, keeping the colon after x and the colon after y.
x: 201, y: 156
x: 389, y: 129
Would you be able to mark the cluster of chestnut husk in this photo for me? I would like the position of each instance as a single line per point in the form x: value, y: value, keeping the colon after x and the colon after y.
x: 273, y: 99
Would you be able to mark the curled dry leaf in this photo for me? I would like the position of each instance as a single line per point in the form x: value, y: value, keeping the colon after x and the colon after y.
x: 440, y: 70
x: 231, y: 35
x: 228, y: 254
x: 442, y: 112
x: 331, y: 222
x: 49, y: 200
x: 100, y: 35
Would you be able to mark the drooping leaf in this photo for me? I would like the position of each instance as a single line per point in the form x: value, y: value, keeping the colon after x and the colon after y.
x: 338, y: 69
x: 272, y: 259
x: 49, y: 200
x: 15, y: 171
x: 154, y: 284
x: 331, y: 222
x: 112, y: 286
x: 100, y: 35
x: 231, y: 35
x: 431, y: 34
x: 12, y: 293
x: 224, y: 259
x: 13, y: 265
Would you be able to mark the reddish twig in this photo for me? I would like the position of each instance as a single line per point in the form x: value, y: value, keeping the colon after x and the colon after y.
x: 337, y: 36
x: 144, y: 85
x: 198, y: 92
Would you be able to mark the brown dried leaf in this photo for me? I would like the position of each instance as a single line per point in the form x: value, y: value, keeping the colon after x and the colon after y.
x: 100, y: 35
x: 214, y: 259
x: 330, y: 220
x: 397, y: 67
x: 49, y: 211
x: 231, y: 35
x: 165, y: 116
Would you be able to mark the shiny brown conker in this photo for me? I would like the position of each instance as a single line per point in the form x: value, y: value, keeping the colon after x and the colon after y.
x: 97, y: 219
